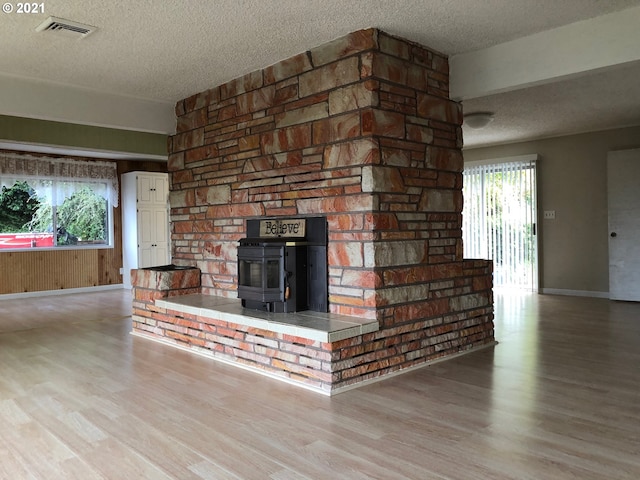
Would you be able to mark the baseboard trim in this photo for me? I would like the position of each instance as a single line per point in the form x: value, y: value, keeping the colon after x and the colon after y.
x: 62, y: 291
x: 574, y: 293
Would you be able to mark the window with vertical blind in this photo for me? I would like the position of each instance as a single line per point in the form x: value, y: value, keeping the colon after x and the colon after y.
x: 499, y: 218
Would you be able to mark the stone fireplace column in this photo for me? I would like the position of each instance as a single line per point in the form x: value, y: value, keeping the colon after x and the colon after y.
x: 360, y: 130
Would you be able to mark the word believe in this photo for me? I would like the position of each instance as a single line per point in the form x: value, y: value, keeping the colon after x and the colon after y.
x: 283, y: 228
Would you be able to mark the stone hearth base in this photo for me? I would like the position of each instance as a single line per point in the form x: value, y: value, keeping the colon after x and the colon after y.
x: 295, y: 347
x: 324, y: 352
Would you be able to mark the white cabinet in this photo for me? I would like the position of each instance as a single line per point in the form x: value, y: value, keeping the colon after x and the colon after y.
x: 145, y: 221
x: 152, y: 188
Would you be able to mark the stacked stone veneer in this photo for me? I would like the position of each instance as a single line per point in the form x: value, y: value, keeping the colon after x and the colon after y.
x: 150, y: 285
x: 360, y: 130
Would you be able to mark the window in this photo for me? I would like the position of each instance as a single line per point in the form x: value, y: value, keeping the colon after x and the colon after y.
x: 499, y: 218
x: 56, y: 203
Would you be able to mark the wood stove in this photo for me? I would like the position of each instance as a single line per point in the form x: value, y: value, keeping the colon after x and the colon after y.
x: 282, y: 265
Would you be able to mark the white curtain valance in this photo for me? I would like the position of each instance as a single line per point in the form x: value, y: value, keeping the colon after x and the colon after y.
x: 14, y: 166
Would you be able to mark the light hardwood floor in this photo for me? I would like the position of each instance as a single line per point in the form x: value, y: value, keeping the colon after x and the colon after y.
x: 80, y: 398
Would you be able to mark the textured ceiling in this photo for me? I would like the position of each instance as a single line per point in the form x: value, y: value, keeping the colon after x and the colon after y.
x: 168, y: 50
x: 599, y: 101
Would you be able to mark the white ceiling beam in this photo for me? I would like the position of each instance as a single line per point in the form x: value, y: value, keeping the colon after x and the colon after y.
x: 61, y: 103
x: 590, y: 45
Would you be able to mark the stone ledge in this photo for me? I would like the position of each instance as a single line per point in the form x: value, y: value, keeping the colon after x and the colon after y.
x: 317, y: 326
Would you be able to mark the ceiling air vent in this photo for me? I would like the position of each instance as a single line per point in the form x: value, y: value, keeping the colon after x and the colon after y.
x: 65, y: 28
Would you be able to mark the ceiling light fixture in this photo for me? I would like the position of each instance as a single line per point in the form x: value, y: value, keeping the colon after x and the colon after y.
x: 478, y: 119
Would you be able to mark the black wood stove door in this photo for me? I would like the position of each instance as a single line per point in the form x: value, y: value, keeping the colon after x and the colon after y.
x: 260, y: 273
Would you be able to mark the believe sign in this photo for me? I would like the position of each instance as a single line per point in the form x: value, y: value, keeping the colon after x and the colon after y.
x: 283, y: 228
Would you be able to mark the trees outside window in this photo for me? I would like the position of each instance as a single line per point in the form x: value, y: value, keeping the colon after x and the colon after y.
x: 30, y: 213
x: 18, y: 205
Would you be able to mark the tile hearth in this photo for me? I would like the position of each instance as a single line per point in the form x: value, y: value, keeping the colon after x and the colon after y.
x: 319, y: 326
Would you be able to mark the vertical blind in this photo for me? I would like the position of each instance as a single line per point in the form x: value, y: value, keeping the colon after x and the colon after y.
x: 499, y: 219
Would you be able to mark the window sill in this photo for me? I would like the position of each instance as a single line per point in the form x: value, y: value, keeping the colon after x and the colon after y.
x: 101, y: 246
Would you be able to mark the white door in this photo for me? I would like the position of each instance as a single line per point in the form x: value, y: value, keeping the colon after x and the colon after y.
x: 623, y: 186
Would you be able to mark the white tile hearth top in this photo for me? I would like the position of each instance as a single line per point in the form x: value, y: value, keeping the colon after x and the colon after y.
x: 323, y: 327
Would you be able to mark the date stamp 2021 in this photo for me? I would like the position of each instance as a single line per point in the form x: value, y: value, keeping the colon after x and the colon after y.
x: 23, y: 7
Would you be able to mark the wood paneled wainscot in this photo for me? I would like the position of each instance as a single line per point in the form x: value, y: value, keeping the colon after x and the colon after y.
x: 58, y: 269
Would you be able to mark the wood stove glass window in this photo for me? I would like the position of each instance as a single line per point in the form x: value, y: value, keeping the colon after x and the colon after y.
x: 251, y: 274
x: 273, y: 273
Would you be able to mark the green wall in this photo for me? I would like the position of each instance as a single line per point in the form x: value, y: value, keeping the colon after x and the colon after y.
x: 44, y: 132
